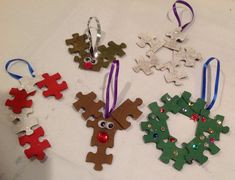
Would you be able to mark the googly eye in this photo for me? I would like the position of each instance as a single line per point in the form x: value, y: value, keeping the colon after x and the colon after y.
x: 94, y: 61
x: 87, y: 59
x: 102, y: 124
x: 109, y: 125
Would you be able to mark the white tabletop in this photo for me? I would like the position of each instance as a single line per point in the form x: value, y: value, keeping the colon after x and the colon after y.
x: 36, y: 31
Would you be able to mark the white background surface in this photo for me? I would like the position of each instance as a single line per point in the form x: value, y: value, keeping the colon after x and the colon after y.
x: 36, y: 30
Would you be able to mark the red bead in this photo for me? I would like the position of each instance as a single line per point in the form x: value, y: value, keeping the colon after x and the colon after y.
x: 88, y: 65
x: 172, y: 139
x: 162, y: 110
x: 102, y: 137
x: 195, y: 117
x: 212, y: 140
x: 203, y: 119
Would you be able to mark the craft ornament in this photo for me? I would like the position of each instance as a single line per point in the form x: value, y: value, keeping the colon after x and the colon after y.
x: 207, y: 132
x: 172, y: 41
x: 105, y: 125
x: 93, y: 58
x: 26, y: 126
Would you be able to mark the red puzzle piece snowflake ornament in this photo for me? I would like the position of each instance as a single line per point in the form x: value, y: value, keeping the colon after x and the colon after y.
x: 26, y: 126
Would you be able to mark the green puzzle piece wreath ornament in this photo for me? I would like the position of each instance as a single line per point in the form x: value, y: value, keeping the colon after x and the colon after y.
x: 207, y: 132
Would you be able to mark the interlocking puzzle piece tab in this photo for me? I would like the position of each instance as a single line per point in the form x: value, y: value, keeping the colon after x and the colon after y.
x: 156, y: 129
x: 19, y: 101
x: 172, y: 152
x: 88, y: 104
x: 127, y: 108
x: 53, y: 87
x: 78, y: 42
x: 36, y: 147
x: 196, y: 148
x: 109, y: 53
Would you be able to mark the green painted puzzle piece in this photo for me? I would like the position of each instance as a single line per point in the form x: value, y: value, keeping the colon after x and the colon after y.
x: 212, y: 126
x: 172, y: 152
x: 156, y: 129
x: 196, y: 148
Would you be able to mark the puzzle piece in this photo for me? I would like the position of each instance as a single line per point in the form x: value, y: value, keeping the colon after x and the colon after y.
x: 99, y: 158
x: 151, y: 41
x: 127, y: 108
x: 28, y: 82
x: 175, y: 74
x: 109, y: 53
x: 156, y: 129
x: 156, y: 126
x: 20, y: 100
x: 78, y: 42
x: 170, y: 104
x: 172, y: 152
x: 189, y: 108
x: 105, y: 57
x: 104, y: 131
x: 188, y: 55
x: 87, y: 103
x: 196, y: 148
x: 36, y: 147
x: 53, y: 87
x: 173, y: 39
x: 146, y: 65
x: 24, y: 123
x: 87, y: 62
x: 212, y: 126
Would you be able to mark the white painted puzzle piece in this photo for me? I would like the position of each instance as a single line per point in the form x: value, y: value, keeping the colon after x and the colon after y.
x: 151, y: 41
x: 188, y: 55
x: 24, y: 123
x: 173, y: 40
x: 175, y: 74
x: 28, y: 82
x: 145, y: 65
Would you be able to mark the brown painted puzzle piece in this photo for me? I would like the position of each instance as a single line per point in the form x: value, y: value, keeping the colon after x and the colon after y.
x: 105, y: 57
x: 128, y: 108
x: 88, y: 104
x: 78, y: 43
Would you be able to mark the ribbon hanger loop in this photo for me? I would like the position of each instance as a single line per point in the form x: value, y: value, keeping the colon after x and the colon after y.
x: 94, y: 49
x: 179, y: 20
x: 115, y: 64
x: 204, y: 81
x: 16, y: 76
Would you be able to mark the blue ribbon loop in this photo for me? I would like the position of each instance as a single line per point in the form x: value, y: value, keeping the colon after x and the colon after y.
x: 16, y: 76
x: 204, y: 83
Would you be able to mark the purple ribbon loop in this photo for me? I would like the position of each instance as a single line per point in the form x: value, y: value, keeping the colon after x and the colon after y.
x: 107, y: 110
x: 177, y: 14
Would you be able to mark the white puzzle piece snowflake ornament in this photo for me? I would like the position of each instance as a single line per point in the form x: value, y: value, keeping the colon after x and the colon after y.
x: 173, y: 41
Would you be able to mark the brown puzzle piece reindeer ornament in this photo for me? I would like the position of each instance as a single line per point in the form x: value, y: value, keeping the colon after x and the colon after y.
x: 104, y: 130
x: 93, y: 56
